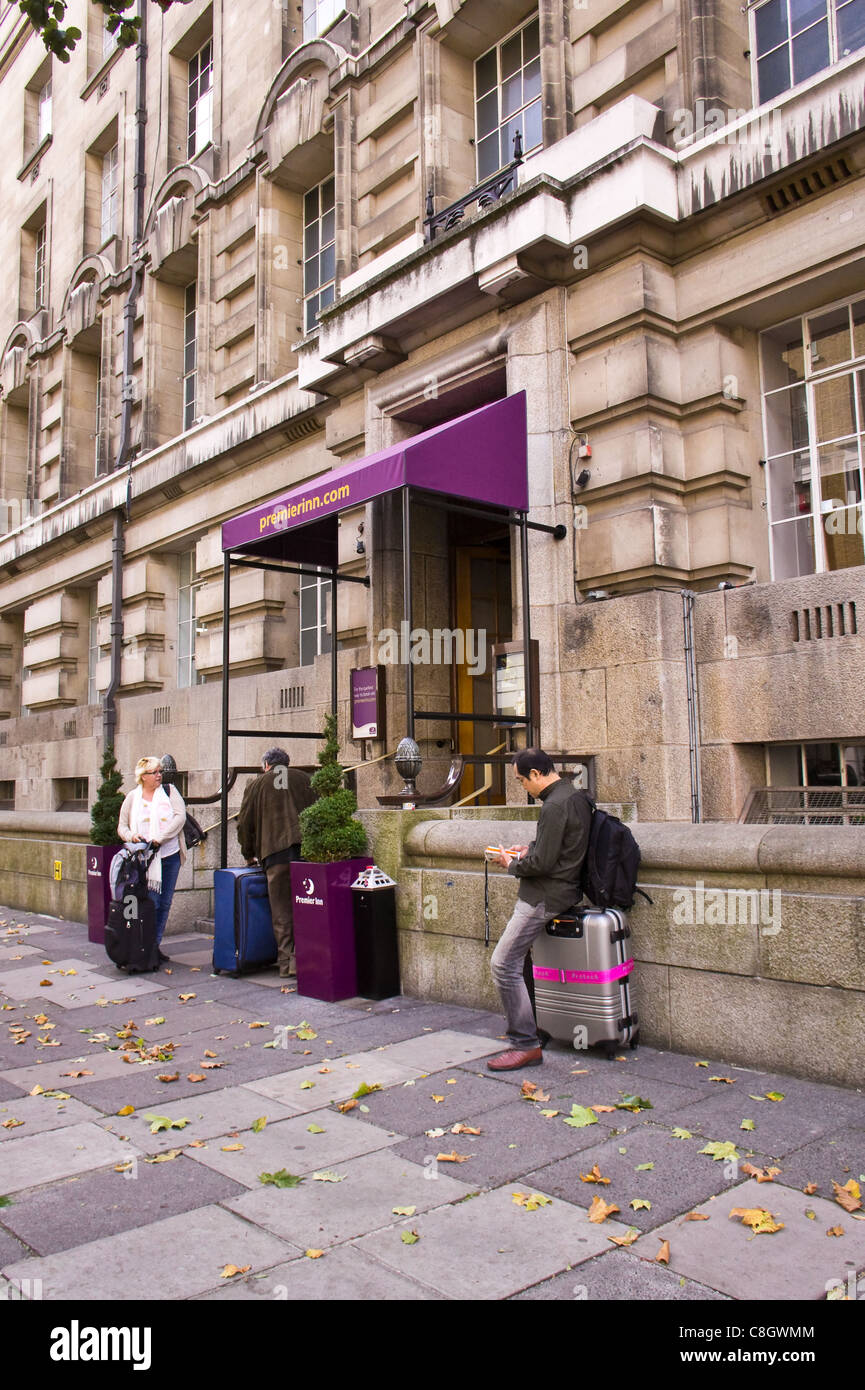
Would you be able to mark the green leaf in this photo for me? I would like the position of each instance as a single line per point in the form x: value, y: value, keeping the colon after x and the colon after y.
x: 634, y: 1103
x: 747, y: 1124
x: 258, y: 1125
x: 409, y: 1237
x: 304, y: 1032
x: 640, y: 1203
x: 328, y: 1175
x: 160, y: 1122
x: 623, y: 1151
x: 364, y: 1090
x: 643, y: 1167
x: 774, y: 1095
x: 314, y: 1129
x: 5, y: 1201
x: 679, y: 1133
x: 281, y: 1178
x: 580, y: 1117
x: 727, y: 1149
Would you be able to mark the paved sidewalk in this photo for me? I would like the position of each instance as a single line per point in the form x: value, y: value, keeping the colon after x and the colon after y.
x: 413, y: 1191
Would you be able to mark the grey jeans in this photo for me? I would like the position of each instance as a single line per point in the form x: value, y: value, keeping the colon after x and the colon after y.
x: 506, y: 966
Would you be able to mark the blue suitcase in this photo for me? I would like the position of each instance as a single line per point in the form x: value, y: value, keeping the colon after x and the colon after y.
x: 243, y: 932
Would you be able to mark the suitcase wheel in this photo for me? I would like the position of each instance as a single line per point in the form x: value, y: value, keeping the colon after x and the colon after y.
x: 610, y: 1049
x: 635, y: 1038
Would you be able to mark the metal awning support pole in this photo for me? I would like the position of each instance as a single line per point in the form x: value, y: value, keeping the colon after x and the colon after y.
x: 407, y: 609
x: 532, y: 733
x: 333, y: 642
x: 223, y: 801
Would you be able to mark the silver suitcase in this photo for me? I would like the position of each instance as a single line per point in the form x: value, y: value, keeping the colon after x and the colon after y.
x: 581, y: 966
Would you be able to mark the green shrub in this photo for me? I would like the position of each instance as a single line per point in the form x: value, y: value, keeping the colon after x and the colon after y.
x: 329, y: 832
x: 105, y: 812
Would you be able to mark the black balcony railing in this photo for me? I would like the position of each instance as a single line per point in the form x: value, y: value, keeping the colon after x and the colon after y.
x: 484, y: 194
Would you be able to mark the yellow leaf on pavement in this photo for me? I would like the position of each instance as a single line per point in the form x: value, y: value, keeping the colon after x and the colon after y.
x: 230, y: 1271
x: 663, y: 1255
x: 848, y: 1196
x: 453, y: 1157
x: 314, y: 1254
x: 594, y: 1176
x: 628, y: 1239
x: 761, y: 1221
x: 761, y: 1174
x: 835, y: 1231
x: 600, y: 1210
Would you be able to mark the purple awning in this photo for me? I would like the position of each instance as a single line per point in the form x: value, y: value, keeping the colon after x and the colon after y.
x: 481, y: 457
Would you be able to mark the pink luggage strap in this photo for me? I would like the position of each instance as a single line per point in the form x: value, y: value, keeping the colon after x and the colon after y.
x: 583, y: 977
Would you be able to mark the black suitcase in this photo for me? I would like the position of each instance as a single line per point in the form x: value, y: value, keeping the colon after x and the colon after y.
x: 130, y: 935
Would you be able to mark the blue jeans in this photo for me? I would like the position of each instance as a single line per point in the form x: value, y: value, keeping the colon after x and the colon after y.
x: 162, y: 901
x: 506, y: 967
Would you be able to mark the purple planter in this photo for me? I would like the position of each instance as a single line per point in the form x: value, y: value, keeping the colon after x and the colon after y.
x: 99, y: 859
x: 324, y: 928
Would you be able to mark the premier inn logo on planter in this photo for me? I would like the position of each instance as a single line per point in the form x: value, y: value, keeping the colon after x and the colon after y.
x: 310, y: 900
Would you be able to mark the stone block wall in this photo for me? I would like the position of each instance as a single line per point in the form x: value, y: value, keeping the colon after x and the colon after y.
x: 752, y: 951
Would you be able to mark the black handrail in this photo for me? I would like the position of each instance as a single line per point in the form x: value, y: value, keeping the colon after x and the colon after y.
x: 484, y: 194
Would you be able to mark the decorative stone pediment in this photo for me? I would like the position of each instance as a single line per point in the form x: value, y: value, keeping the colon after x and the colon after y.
x: 170, y: 230
x: 82, y: 308
x: 297, y: 118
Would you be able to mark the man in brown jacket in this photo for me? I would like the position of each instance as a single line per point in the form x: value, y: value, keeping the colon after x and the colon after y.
x: 268, y: 829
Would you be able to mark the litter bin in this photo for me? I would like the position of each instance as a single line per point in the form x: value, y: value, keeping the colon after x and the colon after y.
x: 375, y: 934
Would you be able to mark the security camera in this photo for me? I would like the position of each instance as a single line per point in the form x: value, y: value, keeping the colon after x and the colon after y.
x: 598, y: 593
x: 725, y: 584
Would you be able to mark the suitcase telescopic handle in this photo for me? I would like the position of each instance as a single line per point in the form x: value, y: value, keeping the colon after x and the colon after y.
x: 570, y: 927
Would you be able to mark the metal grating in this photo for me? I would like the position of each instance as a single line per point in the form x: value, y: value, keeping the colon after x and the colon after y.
x: 162, y: 714
x: 804, y: 806
x: 291, y: 697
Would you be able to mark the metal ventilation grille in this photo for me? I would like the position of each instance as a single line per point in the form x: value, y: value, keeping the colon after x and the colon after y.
x: 804, y: 806
x: 162, y: 714
x: 829, y: 620
x: 809, y: 184
x: 291, y: 697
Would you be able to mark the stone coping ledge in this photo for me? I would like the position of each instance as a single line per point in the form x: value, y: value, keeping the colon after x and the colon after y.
x: 814, y: 851
x: 58, y: 825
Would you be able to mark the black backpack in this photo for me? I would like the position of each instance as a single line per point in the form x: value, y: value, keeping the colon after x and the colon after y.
x: 612, y: 862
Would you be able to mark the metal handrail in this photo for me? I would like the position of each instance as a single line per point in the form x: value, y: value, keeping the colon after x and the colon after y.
x: 484, y: 194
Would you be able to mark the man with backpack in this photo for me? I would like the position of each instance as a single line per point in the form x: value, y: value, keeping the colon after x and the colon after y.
x: 549, y: 871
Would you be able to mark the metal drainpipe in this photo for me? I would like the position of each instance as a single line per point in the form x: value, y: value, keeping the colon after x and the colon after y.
x: 109, y: 723
x: 688, y: 597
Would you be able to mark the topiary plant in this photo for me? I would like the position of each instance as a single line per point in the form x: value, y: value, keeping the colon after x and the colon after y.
x: 105, y: 812
x: 329, y: 832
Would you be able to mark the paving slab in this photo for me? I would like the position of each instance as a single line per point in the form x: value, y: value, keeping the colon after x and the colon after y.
x: 169, y: 1259
x: 61, y: 1153
x: 234, y: 1108
x: 448, y: 1048
x: 834, y: 1157
x: 12, y: 951
x: 289, y: 1144
x: 344, y: 1077
x: 52, y: 1075
x: 40, y: 1113
x: 513, y: 1138
x: 680, y: 1179
x: 487, y: 1247
x: 182, y: 955
x: 619, y: 1275
x: 780, y: 1127
x: 797, y: 1262
x: 433, y: 1102
x: 322, y: 1214
x: 12, y: 1250
x: 342, y: 1274
x: 108, y: 1203
x: 73, y: 991
x: 366, y: 1031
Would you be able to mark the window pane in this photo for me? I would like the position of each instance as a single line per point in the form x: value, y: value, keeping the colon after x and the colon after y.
x: 839, y: 474
x: 786, y: 421
x: 851, y: 27
x: 830, y: 339
x: 327, y: 195
x: 859, y: 329
x: 834, y: 408
x: 310, y: 239
x: 488, y: 156
x: 512, y: 94
x: 773, y: 74
x: 783, y: 355
x: 487, y: 115
x: 327, y: 264
x: 486, y: 73
x: 311, y: 313
x: 327, y: 297
x: 308, y: 644
x: 771, y: 24
x: 789, y: 488
x: 804, y: 13
x: 793, y: 548
x: 843, y: 532
x: 822, y: 764
x: 785, y: 766
x: 532, y: 131
x: 532, y: 80
x: 512, y: 56
x: 811, y: 52
x: 531, y: 41
x: 328, y: 227
x: 310, y: 206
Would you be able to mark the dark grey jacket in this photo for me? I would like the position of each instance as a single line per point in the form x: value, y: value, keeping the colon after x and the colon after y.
x: 549, y: 873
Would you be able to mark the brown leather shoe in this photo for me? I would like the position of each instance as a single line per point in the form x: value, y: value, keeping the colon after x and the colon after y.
x: 510, y: 1061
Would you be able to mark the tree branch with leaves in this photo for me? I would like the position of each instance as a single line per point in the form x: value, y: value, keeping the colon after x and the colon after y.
x: 48, y: 18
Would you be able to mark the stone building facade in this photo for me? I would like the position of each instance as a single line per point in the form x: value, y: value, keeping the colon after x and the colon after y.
x: 299, y: 233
